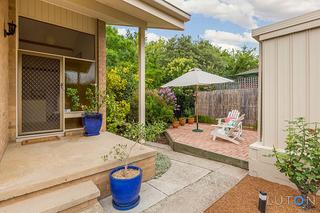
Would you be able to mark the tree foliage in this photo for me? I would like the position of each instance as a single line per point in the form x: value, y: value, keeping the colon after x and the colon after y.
x: 120, y: 49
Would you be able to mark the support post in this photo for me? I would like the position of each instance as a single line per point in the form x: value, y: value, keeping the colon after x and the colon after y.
x: 101, y: 59
x: 196, y: 110
x: 141, y: 60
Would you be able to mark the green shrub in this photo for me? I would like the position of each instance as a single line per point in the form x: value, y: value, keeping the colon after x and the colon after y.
x: 188, y: 112
x: 117, y: 112
x: 154, y: 130
x: 163, y: 163
x: 157, y: 109
x: 301, y: 160
x: 185, y: 100
x: 135, y: 131
x: 206, y: 119
x: 151, y: 132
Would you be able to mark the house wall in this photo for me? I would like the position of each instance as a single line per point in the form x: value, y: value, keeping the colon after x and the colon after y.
x: 12, y: 115
x: 290, y: 89
x: 4, y: 66
x: 52, y: 14
x: 42, y: 11
x: 101, y: 60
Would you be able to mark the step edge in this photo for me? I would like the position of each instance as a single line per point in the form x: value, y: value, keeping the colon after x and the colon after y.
x: 91, y: 193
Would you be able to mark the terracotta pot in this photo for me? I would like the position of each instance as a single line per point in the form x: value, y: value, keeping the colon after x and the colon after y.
x: 191, y: 120
x: 182, y: 121
x: 175, y: 124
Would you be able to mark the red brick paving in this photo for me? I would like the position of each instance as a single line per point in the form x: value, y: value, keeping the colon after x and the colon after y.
x: 203, y: 140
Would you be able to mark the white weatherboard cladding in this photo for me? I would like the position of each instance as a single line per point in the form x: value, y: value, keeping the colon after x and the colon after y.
x: 42, y: 11
x: 290, y: 83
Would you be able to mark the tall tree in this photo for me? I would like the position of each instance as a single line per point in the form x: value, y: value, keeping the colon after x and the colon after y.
x: 242, y: 60
x: 120, y: 49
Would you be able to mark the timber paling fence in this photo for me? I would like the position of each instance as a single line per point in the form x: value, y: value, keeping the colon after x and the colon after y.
x: 217, y: 104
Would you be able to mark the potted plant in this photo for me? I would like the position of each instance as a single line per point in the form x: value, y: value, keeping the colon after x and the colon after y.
x: 125, y: 181
x: 190, y: 119
x: 300, y: 159
x: 175, y: 123
x: 182, y: 121
x: 91, y: 118
x: 188, y: 114
x: 73, y: 94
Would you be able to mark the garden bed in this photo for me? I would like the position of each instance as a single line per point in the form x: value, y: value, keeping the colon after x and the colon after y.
x: 243, y: 198
x: 163, y: 140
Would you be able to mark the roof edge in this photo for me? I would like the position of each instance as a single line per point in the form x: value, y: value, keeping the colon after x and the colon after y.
x: 169, y: 8
x: 291, y: 22
x: 178, y: 8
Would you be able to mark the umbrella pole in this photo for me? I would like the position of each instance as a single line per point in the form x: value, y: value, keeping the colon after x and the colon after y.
x: 197, y: 114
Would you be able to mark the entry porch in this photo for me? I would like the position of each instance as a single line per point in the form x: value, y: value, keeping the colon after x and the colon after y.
x: 29, y: 170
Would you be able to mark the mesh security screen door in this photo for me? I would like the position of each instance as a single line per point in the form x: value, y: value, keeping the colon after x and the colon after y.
x: 40, y: 94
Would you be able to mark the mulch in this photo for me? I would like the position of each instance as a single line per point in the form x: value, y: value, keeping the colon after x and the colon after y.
x: 243, y: 198
x: 163, y: 140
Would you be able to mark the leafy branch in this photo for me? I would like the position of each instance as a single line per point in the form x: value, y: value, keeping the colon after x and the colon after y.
x: 301, y: 160
x: 122, y: 152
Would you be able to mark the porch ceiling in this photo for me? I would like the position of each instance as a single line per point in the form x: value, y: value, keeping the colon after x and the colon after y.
x: 139, y: 13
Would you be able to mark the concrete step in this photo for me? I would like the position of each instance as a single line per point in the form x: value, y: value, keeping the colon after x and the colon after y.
x: 73, y: 198
x: 159, y: 146
x: 96, y: 208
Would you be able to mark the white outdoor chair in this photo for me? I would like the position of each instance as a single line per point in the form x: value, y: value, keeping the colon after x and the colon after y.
x: 232, y: 115
x: 230, y: 131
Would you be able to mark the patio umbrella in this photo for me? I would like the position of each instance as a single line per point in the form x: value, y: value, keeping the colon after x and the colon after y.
x: 196, y: 77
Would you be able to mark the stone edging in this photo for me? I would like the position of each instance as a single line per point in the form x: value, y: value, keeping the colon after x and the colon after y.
x: 190, y: 150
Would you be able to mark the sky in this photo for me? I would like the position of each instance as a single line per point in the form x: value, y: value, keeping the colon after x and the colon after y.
x: 228, y: 23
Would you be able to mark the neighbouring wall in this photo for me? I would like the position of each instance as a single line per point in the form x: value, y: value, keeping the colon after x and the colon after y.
x: 4, y: 49
x: 290, y: 83
x: 290, y: 88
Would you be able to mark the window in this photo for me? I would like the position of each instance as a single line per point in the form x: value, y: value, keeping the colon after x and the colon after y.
x: 48, y: 38
x: 77, y: 49
x: 79, y: 75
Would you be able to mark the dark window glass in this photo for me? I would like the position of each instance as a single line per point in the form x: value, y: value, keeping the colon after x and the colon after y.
x: 80, y: 75
x: 43, y: 37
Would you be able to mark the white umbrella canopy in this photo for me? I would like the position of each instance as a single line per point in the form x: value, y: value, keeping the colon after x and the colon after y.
x: 196, y: 77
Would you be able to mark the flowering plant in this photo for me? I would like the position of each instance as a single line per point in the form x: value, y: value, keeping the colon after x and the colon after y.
x: 170, y: 98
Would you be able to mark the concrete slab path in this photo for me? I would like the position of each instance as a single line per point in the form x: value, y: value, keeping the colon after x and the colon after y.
x: 190, y: 185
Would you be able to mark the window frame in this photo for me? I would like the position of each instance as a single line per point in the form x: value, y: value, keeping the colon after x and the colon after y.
x: 65, y: 115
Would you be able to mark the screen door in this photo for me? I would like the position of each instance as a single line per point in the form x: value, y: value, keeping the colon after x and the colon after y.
x: 40, y: 94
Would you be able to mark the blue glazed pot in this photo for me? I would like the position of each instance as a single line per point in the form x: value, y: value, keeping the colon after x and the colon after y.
x: 125, y: 192
x: 92, y: 124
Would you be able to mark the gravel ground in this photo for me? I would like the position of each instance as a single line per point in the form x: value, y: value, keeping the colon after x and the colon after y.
x: 243, y: 198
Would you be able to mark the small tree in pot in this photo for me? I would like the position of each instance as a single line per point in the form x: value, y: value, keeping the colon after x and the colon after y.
x: 73, y: 94
x: 125, y: 181
x: 91, y: 119
x: 301, y: 160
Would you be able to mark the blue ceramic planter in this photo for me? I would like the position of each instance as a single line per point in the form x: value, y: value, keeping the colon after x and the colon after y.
x: 125, y: 192
x: 92, y: 124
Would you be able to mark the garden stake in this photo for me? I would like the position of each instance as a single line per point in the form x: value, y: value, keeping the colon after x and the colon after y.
x: 262, y: 202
